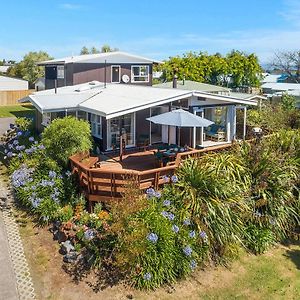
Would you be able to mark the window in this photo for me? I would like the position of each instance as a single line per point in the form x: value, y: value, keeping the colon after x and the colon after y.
x: 115, y: 74
x: 81, y: 115
x: 96, y: 126
x: 46, y: 119
x: 140, y: 73
x: 60, y: 72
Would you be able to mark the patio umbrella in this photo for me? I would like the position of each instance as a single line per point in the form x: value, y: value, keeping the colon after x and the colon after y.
x: 180, y: 118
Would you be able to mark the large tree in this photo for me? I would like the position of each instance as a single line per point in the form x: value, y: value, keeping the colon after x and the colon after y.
x: 94, y: 50
x: 234, y: 69
x: 289, y: 63
x: 28, y: 69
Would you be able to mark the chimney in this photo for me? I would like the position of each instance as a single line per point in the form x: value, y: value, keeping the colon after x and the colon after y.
x: 175, y: 82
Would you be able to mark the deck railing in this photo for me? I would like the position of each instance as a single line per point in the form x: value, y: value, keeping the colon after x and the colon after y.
x: 103, y: 185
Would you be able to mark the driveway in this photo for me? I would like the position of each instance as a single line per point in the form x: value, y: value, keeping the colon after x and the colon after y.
x: 4, y: 124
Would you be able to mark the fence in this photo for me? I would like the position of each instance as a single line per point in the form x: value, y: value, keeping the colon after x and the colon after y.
x: 12, y: 97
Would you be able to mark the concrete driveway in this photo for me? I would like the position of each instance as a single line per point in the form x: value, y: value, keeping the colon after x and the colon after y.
x: 4, y: 124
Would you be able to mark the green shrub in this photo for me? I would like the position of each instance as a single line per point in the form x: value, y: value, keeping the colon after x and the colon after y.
x: 259, y: 239
x: 64, y: 137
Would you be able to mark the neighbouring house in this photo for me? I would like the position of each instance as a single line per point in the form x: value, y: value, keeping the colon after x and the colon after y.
x: 39, y: 84
x: 118, y: 109
x: 109, y: 67
x: 4, y: 69
x: 12, y: 84
x: 197, y: 86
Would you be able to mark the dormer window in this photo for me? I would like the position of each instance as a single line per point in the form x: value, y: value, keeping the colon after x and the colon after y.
x: 140, y: 74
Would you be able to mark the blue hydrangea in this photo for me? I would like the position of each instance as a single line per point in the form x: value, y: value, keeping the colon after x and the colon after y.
x: 174, y: 178
x: 187, y: 250
x: 147, y: 276
x: 175, y: 228
x: 187, y: 221
x: 166, y: 203
x: 152, y: 237
x: 193, y: 264
x: 192, y: 234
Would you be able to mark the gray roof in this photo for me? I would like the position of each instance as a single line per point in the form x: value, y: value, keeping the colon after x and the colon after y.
x: 115, y: 99
x: 193, y: 86
x: 247, y: 96
x: 109, y: 57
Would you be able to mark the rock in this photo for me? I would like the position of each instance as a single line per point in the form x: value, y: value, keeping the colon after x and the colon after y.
x: 56, y: 225
x: 60, y: 236
x: 70, y: 257
x: 67, y: 247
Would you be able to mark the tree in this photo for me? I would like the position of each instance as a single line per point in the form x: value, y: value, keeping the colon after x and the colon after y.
x: 28, y: 69
x: 107, y: 48
x: 84, y: 50
x: 289, y: 63
x: 94, y: 50
x: 234, y: 69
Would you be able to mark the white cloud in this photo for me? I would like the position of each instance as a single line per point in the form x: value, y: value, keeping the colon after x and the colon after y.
x: 291, y: 12
x: 70, y: 6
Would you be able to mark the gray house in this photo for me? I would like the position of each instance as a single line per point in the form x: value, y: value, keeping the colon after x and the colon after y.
x: 109, y: 67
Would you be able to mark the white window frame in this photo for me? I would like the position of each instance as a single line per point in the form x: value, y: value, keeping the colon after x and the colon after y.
x: 60, y: 70
x: 111, y: 73
x: 95, y: 124
x: 146, y: 76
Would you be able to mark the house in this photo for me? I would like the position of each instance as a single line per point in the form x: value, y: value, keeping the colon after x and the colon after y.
x: 197, y: 86
x: 39, y: 84
x: 12, y: 84
x: 109, y: 67
x: 4, y: 69
x: 119, y: 109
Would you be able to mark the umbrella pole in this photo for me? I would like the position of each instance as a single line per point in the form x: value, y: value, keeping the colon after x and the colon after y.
x: 179, y: 136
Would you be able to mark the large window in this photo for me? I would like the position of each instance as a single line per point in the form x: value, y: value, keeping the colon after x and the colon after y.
x: 60, y: 72
x: 96, y: 126
x: 115, y: 74
x: 140, y: 74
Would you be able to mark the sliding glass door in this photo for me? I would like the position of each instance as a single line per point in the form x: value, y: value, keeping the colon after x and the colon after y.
x: 123, y: 125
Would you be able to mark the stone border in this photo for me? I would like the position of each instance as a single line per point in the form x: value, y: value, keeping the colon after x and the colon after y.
x: 21, y: 269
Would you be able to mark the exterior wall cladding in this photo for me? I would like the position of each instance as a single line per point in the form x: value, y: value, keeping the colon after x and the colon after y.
x: 76, y: 73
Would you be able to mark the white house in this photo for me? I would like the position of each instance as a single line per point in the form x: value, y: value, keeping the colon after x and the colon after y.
x: 12, y: 84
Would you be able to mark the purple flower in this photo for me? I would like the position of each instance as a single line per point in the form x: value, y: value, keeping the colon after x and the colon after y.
x: 152, y: 237
x: 150, y: 192
x: 9, y: 154
x: 175, y: 228
x: 29, y: 151
x: 41, y: 147
x: 157, y: 194
x: 16, y: 142
x: 187, y: 250
x: 52, y: 174
x: 165, y: 213
x: 166, y: 203
x: 22, y: 147
x: 147, y: 276
x: 203, y: 235
x: 19, y: 133
x: 10, y: 146
x: 193, y: 264
x: 171, y: 216
x: 20, y: 155
x: 21, y: 176
x: 192, y: 234
x: 174, y: 178
x: 187, y: 222
x: 89, y: 234
x: 166, y: 179
x: 31, y: 139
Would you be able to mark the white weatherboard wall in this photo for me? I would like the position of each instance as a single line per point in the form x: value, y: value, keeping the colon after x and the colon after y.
x: 12, y: 84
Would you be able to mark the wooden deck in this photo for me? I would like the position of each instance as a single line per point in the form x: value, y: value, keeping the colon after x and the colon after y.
x: 106, y: 180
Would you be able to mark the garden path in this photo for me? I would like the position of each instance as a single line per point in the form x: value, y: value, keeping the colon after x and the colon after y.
x: 4, y: 124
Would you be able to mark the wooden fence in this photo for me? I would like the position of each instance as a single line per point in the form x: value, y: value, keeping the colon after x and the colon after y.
x: 12, y: 97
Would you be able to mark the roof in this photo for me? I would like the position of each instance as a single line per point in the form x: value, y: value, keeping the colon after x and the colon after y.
x: 4, y: 69
x: 247, y: 96
x: 4, y: 79
x: 115, y: 99
x: 193, y: 85
x: 270, y: 77
x: 109, y: 57
x: 280, y: 86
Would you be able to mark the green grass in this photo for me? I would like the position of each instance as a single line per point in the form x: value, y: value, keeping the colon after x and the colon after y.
x: 17, y: 111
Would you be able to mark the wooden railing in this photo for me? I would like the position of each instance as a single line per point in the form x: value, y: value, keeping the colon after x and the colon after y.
x: 104, y: 185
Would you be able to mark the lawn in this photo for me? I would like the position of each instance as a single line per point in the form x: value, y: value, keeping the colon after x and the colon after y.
x: 273, y: 275
x: 17, y: 111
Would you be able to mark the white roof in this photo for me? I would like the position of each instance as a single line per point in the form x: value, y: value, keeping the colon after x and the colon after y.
x: 110, y: 57
x: 4, y: 79
x: 281, y: 86
x: 115, y: 99
x: 247, y: 96
x: 4, y: 69
x: 270, y: 78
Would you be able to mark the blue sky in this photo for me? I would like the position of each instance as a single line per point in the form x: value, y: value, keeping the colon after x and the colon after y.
x: 154, y: 28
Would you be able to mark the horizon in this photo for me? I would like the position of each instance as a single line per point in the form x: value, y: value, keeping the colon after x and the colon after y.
x: 153, y: 29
